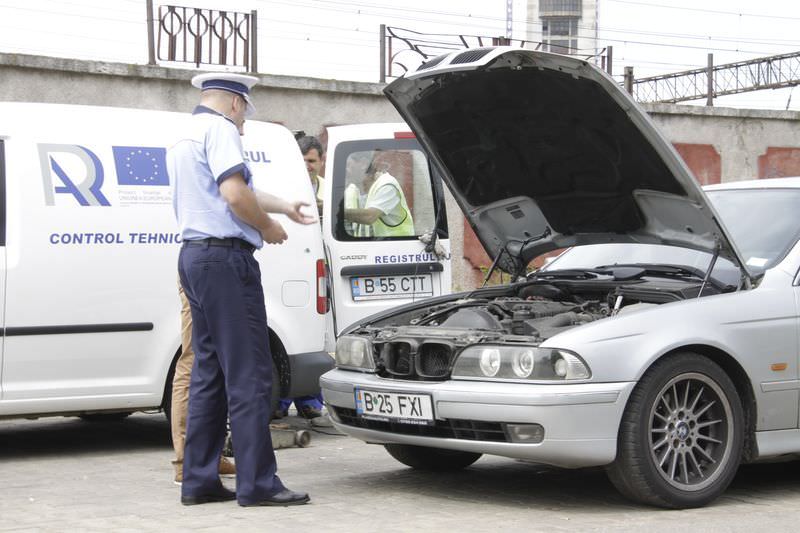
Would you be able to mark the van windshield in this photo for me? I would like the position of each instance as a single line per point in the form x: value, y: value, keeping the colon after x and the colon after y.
x: 382, y: 190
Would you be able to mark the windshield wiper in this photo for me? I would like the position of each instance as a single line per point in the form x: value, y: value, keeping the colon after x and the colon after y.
x: 670, y: 271
x: 572, y: 273
x: 658, y: 269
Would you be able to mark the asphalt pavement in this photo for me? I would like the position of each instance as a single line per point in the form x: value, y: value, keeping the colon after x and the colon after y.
x: 66, y: 474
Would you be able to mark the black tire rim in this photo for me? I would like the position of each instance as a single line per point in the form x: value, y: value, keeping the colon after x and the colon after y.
x: 691, y: 432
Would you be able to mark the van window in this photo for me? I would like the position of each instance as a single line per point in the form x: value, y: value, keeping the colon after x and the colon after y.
x: 383, y: 189
x: 2, y: 193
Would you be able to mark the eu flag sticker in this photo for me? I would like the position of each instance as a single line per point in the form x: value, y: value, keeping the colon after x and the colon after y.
x: 141, y: 165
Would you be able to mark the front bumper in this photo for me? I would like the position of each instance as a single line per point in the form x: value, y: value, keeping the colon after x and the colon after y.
x: 580, y: 421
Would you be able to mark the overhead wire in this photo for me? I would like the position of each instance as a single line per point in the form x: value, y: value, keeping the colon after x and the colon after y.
x: 358, y: 30
x: 355, y: 35
x: 78, y: 15
x: 698, y: 9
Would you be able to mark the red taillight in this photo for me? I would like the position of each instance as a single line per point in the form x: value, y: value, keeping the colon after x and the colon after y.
x: 322, y: 287
x: 404, y: 135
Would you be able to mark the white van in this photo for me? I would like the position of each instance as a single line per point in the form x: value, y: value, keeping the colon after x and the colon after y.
x: 88, y: 261
x: 370, y: 273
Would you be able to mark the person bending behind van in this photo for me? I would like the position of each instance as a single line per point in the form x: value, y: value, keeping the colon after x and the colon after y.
x: 222, y: 220
x: 385, y: 212
x: 308, y: 407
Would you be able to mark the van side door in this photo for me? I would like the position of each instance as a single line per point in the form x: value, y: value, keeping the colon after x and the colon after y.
x: 91, y: 281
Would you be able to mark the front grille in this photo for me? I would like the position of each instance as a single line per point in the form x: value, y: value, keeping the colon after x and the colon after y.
x: 434, y: 360
x: 396, y: 358
x: 415, y: 360
x: 470, y: 55
x: 443, y: 429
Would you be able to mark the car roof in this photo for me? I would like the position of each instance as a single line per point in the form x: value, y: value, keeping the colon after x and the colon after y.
x: 792, y: 182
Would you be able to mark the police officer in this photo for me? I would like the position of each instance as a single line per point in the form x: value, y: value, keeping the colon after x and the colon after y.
x: 222, y: 220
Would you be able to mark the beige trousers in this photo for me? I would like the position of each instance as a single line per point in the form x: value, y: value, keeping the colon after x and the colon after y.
x: 180, y: 383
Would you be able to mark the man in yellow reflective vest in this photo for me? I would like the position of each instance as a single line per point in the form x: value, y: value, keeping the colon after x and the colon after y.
x: 385, y: 212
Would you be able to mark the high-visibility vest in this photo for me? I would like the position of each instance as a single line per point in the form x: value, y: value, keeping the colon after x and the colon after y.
x: 352, y: 200
x: 405, y: 228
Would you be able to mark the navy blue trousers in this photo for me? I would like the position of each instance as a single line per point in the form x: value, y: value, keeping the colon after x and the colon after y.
x: 232, y: 372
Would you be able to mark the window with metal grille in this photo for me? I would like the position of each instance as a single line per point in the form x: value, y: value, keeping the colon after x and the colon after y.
x: 560, y: 5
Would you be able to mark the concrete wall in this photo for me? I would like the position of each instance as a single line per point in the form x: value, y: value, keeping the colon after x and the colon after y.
x: 298, y: 103
x: 750, y: 143
x: 718, y: 144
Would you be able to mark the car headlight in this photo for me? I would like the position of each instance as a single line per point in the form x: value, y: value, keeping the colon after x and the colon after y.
x: 354, y: 353
x: 519, y: 363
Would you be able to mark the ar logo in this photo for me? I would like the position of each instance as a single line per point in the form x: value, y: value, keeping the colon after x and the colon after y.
x: 84, y: 179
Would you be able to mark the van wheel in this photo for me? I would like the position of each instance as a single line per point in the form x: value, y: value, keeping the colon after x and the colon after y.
x: 433, y: 459
x: 281, y: 372
x: 680, y: 440
x: 166, y: 405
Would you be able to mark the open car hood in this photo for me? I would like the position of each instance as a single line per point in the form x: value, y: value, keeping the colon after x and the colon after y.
x: 544, y: 151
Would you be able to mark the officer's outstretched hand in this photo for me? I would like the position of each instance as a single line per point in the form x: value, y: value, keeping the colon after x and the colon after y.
x: 295, y: 214
x: 273, y: 233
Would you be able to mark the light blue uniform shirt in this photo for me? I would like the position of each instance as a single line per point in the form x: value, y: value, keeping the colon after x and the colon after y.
x: 209, y: 152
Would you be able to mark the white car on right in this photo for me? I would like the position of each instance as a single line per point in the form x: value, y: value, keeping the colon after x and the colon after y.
x: 663, y: 345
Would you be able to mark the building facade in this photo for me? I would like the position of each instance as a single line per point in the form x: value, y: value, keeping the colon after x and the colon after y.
x: 563, y: 26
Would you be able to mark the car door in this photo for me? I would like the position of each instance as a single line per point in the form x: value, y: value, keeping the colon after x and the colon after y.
x: 376, y: 266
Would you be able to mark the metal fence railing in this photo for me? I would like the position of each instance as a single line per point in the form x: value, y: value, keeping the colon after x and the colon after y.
x: 402, y: 49
x: 202, y: 36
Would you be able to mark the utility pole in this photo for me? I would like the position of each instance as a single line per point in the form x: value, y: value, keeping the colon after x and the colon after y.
x: 509, y: 17
x: 151, y: 40
x: 710, y: 97
x: 629, y: 80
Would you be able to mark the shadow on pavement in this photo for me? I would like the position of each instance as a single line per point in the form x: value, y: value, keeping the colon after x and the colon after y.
x: 72, y: 435
x: 508, y: 483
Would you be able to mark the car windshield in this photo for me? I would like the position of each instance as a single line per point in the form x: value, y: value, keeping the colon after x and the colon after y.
x: 762, y: 222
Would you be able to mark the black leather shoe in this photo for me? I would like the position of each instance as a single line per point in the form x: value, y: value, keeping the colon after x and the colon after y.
x: 283, y: 498
x: 223, y: 495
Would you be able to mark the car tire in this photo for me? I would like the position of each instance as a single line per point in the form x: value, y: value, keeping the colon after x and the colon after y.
x: 433, y: 459
x: 681, y: 436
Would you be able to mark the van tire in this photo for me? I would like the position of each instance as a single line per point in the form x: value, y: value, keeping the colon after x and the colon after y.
x: 281, y: 371
x: 166, y: 402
